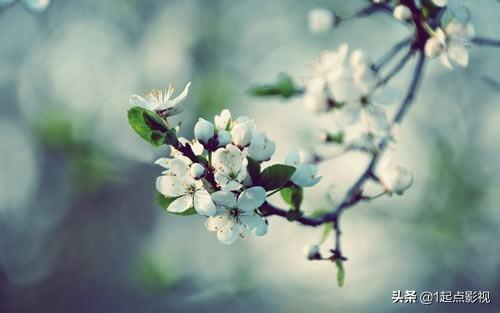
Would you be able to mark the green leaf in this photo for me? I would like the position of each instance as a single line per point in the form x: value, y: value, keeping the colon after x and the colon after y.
x: 164, y: 202
x: 293, y: 196
x: 284, y: 86
x: 253, y: 169
x: 150, y: 127
x: 276, y: 176
x: 340, y: 272
x: 327, y: 229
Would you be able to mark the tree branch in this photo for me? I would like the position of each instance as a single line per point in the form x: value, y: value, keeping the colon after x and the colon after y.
x: 486, y: 41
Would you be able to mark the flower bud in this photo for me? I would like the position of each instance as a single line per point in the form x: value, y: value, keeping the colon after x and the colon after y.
x: 321, y: 20
x: 397, y: 179
x: 242, y: 131
x: 203, y: 130
x: 261, y: 148
x: 311, y: 252
x: 223, y: 120
x: 197, y: 170
x: 36, y: 6
x: 401, y: 13
x: 440, y: 3
x: 223, y: 138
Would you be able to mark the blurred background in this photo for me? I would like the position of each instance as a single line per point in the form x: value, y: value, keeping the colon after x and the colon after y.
x: 79, y: 230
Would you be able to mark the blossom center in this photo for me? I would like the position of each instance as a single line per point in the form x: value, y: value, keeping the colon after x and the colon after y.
x: 235, y: 214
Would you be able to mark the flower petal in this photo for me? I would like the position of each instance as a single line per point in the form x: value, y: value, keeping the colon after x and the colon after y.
x: 178, y: 168
x: 459, y: 54
x: 293, y: 158
x: 170, y: 186
x: 136, y: 100
x: 445, y: 61
x: 224, y: 199
x: 181, y: 96
x: 164, y: 162
x: 181, y: 204
x: 228, y: 233
x: 251, y: 198
x: 203, y: 203
x: 216, y: 222
x: 256, y: 224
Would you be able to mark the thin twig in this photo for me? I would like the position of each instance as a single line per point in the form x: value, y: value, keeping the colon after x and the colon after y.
x: 354, y: 194
x: 390, y: 54
x: 486, y: 41
x: 401, y: 64
x: 417, y: 75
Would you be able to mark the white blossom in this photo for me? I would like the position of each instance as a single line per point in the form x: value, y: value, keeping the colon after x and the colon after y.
x: 327, y: 69
x: 451, y: 44
x: 204, y: 130
x: 159, y: 100
x: 235, y: 215
x: 354, y: 90
x: 223, y: 121
x: 230, y: 167
x: 311, y: 252
x: 435, y: 45
x: 305, y: 173
x: 261, y: 148
x: 401, y: 13
x: 196, y: 170
x: 242, y: 131
x: 188, y: 191
x: 320, y: 20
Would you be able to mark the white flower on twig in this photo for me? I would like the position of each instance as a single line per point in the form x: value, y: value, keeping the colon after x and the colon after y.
x: 188, y: 191
x: 230, y: 167
x: 235, y: 215
x: 242, y: 131
x: 159, y: 100
x: 261, y: 148
x: 451, y: 45
x: 305, y: 173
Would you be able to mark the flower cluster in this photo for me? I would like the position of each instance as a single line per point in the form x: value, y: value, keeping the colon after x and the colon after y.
x: 217, y: 174
x: 348, y: 86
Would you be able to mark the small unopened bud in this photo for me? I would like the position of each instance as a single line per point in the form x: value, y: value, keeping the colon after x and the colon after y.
x: 197, y: 170
x: 223, y: 138
x: 440, y: 3
x: 397, y: 179
x: 311, y: 252
x: 321, y: 20
x: 204, y: 130
x: 401, y: 13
